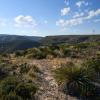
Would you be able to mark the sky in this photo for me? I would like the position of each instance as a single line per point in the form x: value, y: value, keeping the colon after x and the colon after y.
x: 49, y: 17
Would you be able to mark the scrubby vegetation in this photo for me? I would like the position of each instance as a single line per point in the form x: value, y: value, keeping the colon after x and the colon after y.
x: 80, y: 50
x: 79, y: 80
x: 21, y: 73
x: 13, y: 83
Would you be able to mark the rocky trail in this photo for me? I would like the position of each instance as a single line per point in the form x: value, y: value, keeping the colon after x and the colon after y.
x: 49, y: 88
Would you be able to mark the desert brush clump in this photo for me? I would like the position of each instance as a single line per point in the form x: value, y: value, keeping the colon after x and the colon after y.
x: 76, y: 80
x: 13, y: 88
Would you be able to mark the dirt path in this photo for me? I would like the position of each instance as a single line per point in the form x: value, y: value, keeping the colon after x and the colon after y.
x: 49, y: 87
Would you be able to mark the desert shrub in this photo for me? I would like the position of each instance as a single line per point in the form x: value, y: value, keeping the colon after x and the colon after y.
x: 19, y: 53
x: 36, y: 69
x: 67, y: 52
x: 33, y: 72
x: 45, y: 49
x: 3, y: 73
x: 57, y: 53
x: 30, y: 56
x: 54, y: 47
x: 26, y: 90
x: 98, y: 54
x: 82, y: 45
x: 8, y: 85
x: 36, y: 54
x: 11, y: 88
x: 49, y: 56
x: 95, y: 64
x: 32, y: 75
x: 11, y: 96
x: 40, y: 55
x: 24, y: 68
x: 76, y: 79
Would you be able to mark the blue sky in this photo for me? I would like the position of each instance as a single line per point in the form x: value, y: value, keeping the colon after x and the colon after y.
x: 49, y: 17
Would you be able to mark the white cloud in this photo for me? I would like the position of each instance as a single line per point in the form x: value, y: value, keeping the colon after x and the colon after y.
x: 66, y: 2
x: 93, y: 13
x: 78, y: 20
x: 78, y: 14
x: 61, y: 22
x: 25, y: 21
x: 71, y: 22
x: 65, y: 11
x: 80, y: 3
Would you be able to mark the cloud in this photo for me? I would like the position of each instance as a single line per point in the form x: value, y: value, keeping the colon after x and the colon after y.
x: 93, y: 13
x: 61, y: 22
x: 80, y: 3
x: 78, y: 20
x: 65, y: 11
x: 78, y: 14
x: 66, y: 2
x: 70, y: 22
x: 26, y: 21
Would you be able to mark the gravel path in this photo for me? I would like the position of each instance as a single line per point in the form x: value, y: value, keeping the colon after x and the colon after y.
x: 49, y: 87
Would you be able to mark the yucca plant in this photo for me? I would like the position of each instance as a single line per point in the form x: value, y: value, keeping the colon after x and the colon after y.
x: 76, y: 78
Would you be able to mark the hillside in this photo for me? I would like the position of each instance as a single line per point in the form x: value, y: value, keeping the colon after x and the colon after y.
x: 69, y: 39
x: 9, y: 43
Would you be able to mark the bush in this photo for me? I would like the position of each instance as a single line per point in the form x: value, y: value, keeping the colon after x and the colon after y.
x: 13, y: 89
x: 18, y: 53
x: 36, y: 69
x: 3, y: 74
x: 36, y: 55
x: 76, y: 79
x: 26, y: 90
x: 24, y: 68
x: 11, y: 96
x: 95, y: 64
x: 67, y: 52
x: 8, y: 85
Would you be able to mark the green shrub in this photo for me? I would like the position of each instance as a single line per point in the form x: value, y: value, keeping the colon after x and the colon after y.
x: 77, y: 79
x: 95, y: 64
x: 36, y: 69
x: 8, y: 85
x: 3, y: 73
x: 36, y: 55
x: 67, y: 52
x: 11, y: 96
x: 24, y: 68
x: 26, y: 90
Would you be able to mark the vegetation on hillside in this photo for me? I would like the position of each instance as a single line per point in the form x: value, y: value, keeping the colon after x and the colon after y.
x: 20, y: 78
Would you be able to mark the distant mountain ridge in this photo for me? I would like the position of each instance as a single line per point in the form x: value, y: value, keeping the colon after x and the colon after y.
x: 70, y: 39
x: 10, y: 43
x: 4, y: 37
